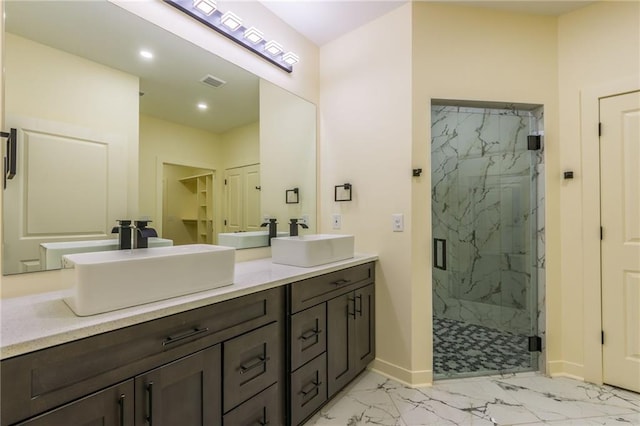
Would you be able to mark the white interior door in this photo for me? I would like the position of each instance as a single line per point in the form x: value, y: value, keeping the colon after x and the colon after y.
x: 242, y: 186
x: 620, y: 211
x: 252, y: 220
x: 71, y: 184
x: 233, y: 188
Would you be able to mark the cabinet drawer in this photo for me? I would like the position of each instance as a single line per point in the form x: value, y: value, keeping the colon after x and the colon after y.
x: 315, y: 290
x: 51, y: 377
x: 308, y: 389
x: 110, y: 406
x: 251, y: 363
x: 308, y: 335
x: 264, y: 408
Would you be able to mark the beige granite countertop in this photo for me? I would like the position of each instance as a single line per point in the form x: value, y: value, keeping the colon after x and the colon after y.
x: 43, y: 320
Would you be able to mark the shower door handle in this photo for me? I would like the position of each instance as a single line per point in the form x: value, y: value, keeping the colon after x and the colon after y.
x: 440, y: 253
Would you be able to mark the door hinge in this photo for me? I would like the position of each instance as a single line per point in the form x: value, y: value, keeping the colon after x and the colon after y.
x: 602, y: 337
x: 225, y: 222
x: 535, y: 344
x: 225, y: 181
x: 599, y: 129
x: 601, y: 233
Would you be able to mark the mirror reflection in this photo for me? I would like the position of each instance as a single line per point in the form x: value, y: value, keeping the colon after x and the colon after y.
x: 183, y: 138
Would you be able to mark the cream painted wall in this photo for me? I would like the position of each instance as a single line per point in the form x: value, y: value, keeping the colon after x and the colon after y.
x: 599, y: 55
x: 375, y: 119
x: 480, y: 54
x: 287, y: 154
x: 66, y: 96
x: 166, y: 142
x: 241, y: 146
x: 365, y: 127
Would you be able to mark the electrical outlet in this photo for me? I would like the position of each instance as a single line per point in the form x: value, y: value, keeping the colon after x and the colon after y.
x: 398, y: 222
x: 336, y: 221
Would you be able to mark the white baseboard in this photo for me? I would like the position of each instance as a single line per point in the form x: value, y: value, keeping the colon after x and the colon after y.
x: 402, y: 375
x: 566, y: 369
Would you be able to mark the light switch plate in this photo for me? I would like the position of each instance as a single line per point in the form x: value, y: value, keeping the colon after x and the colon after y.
x: 398, y: 222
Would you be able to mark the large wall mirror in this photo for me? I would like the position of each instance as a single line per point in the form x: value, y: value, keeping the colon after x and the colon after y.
x: 105, y: 133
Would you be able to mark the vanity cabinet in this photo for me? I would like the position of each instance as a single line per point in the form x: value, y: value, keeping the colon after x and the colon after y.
x: 172, y: 367
x: 331, y: 335
x: 272, y: 357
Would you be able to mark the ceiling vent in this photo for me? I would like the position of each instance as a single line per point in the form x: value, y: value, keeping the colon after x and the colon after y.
x: 210, y: 80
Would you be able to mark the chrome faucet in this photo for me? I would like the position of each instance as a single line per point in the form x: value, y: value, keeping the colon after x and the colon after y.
x: 142, y: 234
x: 293, y: 227
x: 124, y: 234
x: 273, y: 228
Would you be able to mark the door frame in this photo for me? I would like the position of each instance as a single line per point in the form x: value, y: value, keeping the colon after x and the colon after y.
x: 591, y: 255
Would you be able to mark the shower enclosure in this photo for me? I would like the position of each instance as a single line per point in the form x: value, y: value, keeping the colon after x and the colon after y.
x: 487, y: 238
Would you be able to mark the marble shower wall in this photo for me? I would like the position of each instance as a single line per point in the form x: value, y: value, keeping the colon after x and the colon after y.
x: 483, y: 200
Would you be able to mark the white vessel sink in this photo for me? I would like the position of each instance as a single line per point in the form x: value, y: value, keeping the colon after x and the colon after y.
x: 51, y: 253
x: 311, y: 250
x: 243, y: 240
x: 110, y: 280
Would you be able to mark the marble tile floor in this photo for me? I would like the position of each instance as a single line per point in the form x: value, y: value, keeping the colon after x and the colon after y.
x: 524, y: 399
x: 461, y: 347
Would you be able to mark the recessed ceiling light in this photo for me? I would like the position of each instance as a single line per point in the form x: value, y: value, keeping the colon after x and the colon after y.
x: 202, y: 106
x: 231, y: 21
x: 146, y: 54
x: 205, y: 6
x: 273, y: 47
x: 254, y: 35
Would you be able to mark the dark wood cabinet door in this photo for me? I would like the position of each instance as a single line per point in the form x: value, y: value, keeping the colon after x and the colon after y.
x: 184, y: 392
x: 365, y: 343
x: 340, y: 335
x: 110, y: 407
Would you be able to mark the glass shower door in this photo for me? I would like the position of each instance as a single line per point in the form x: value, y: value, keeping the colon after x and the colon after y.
x: 484, y: 205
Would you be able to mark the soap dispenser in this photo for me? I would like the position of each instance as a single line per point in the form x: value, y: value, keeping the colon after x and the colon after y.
x: 142, y: 234
x: 124, y: 234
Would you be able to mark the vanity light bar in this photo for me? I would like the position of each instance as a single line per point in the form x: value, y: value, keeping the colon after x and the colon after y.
x: 231, y: 21
x: 230, y: 25
x: 205, y: 6
x: 253, y: 35
x: 273, y: 48
x: 290, y: 58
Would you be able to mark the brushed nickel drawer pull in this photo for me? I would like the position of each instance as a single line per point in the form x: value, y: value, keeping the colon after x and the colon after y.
x: 261, y: 360
x: 174, y: 339
x: 342, y: 281
x: 309, y: 334
x: 314, y: 386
